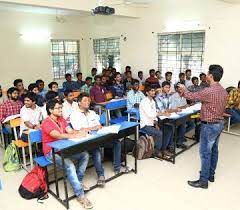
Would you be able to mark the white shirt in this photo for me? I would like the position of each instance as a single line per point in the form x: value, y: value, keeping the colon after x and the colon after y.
x: 79, y: 119
x: 148, y: 112
x: 177, y: 101
x: 188, y: 83
x: 44, y: 112
x: 68, y: 109
x: 33, y: 116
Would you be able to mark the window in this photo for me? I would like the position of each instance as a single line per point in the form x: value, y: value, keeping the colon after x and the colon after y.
x: 65, y: 57
x: 180, y: 51
x: 107, y: 53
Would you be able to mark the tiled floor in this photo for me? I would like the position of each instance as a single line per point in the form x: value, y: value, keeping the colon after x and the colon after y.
x: 158, y: 185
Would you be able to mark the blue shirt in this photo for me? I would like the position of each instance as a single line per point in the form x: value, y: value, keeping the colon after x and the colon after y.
x: 118, y: 90
x: 134, y: 98
x: 70, y: 85
x: 163, y: 102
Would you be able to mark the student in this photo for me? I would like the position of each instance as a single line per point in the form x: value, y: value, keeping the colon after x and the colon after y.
x: 127, y: 68
x: 134, y: 96
x: 54, y: 127
x: 88, y: 84
x: 168, y: 77
x: 18, y: 83
x: 213, y: 101
x: 152, y: 80
x: 188, y: 81
x: 68, y: 105
x: 149, y: 121
x: 195, y: 87
x: 98, y: 92
x: 160, y: 79
x: 30, y: 113
x: 33, y: 88
x: 93, y: 73
x: 118, y: 90
x: 53, y: 86
x: 141, y: 78
x: 181, y: 77
x: 79, y: 82
x: 49, y: 96
x: 3, y: 98
x: 42, y: 91
x: 128, y: 81
x: 69, y: 84
x: 233, y: 104
x: 12, y: 106
x: 90, y: 122
x: 203, y: 78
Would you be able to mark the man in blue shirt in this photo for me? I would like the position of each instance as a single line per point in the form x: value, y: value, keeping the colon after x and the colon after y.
x: 69, y: 84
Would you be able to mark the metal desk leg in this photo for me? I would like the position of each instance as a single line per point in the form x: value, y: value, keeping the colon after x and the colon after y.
x: 55, y: 172
x: 65, y: 184
x: 174, y: 142
x: 136, y: 140
x: 30, y: 152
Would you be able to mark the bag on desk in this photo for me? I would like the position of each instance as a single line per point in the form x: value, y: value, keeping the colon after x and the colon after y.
x: 145, y: 147
x: 34, y: 185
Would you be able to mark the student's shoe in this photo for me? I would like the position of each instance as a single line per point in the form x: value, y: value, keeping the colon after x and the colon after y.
x: 159, y: 155
x: 198, y: 184
x: 86, y: 204
x: 211, y: 179
x: 101, y: 181
x: 167, y: 154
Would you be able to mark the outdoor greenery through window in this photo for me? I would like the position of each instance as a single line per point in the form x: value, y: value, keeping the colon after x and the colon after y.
x: 180, y: 51
x: 65, y: 57
x: 107, y: 53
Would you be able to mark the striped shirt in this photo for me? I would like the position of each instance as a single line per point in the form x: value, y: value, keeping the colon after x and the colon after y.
x: 134, y: 98
x: 213, y: 98
x: 9, y: 108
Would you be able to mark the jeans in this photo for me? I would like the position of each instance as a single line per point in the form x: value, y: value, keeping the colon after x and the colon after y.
x: 190, y: 125
x: 158, y: 136
x: 235, y: 115
x: 168, y: 131
x: 97, y: 160
x: 209, y: 138
x: 181, y: 130
x: 116, y: 144
x: 74, y: 174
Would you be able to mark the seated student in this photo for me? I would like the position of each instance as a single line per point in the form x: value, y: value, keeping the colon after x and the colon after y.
x: 233, y: 104
x: 188, y: 81
x: 159, y: 77
x: 123, y: 76
x: 134, y: 96
x: 34, y: 89
x: 168, y: 77
x: 118, y: 90
x: 88, y: 84
x: 18, y: 83
x: 53, y: 86
x: 203, y: 78
x: 79, y: 82
x: 152, y: 80
x: 49, y: 96
x: 140, y: 78
x: 149, y: 122
x: 3, y: 97
x: 195, y: 87
x: 41, y: 89
x: 54, y: 127
x: 12, y: 106
x: 69, y: 84
x: 68, y: 105
x: 93, y: 74
x: 181, y: 77
x: 98, y: 92
x: 90, y: 122
x: 128, y: 81
x: 30, y: 113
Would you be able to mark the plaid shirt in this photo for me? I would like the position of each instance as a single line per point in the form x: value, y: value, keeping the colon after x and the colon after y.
x: 233, y: 98
x: 9, y: 108
x: 134, y: 98
x: 118, y: 90
x: 213, y: 101
x: 85, y: 89
x: 163, y: 102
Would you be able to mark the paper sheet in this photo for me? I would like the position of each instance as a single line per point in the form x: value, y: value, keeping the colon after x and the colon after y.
x: 11, y: 117
x: 80, y: 139
x: 109, y: 129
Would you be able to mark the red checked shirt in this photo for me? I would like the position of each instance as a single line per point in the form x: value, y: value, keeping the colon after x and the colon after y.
x: 213, y: 98
x: 9, y: 108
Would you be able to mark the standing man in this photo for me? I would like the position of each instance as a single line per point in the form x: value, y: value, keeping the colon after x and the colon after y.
x: 213, y: 101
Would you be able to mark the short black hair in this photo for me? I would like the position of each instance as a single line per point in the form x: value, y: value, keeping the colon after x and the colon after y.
x: 32, y: 96
x: 188, y: 70
x: 81, y: 96
x: 157, y: 72
x: 88, y: 78
x: 39, y: 81
x: 117, y: 73
x: 168, y: 73
x: 148, y: 88
x: 140, y: 72
x: 16, y: 81
x: 68, y: 75
x: 94, y: 69
x: 32, y: 86
x: 50, y: 95
x: 166, y: 83
x: 79, y: 73
x: 51, y: 104
x: 202, y: 74
x: 97, y: 77
x: 50, y: 85
x: 176, y: 85
x: 128, y: 67
x: 134, y: 81
x: 129, y: 71
x: 194, y: 78
x: 151, y: 70
x: 11, y: 90
x: 181, y: 74
x: 216, y: 71
x: 66, y: 92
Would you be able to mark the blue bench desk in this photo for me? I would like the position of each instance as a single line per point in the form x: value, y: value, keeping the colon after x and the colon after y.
x: 67, y: 148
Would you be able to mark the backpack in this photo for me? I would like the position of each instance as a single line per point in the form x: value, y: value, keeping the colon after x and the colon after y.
x: 34, y: 185
x: 145, y: 147
x: 11, y: 160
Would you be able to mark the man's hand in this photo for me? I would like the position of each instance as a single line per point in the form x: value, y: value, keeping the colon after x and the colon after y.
x: 181, y: 88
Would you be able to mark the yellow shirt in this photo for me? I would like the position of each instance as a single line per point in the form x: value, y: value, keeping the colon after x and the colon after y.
x: 233, y: 98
